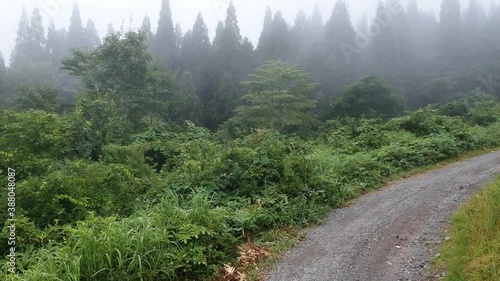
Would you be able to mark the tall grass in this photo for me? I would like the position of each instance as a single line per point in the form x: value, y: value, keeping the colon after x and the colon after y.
x: 172, y: 240
x: 473, y: 254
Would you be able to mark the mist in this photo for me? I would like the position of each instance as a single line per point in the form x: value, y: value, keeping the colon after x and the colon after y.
x: 250, y: 13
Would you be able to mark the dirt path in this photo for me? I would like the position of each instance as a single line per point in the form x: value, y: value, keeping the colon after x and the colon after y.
x: 385, y: 235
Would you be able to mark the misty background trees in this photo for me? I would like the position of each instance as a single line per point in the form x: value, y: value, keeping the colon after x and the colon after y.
x: 426, y: 58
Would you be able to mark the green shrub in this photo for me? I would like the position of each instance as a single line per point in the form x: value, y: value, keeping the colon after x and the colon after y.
x: 173, y: 240
x: 425, y: 122
x: 351, y: 135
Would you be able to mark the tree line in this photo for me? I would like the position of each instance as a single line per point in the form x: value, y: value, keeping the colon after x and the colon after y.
x: 424, y: 59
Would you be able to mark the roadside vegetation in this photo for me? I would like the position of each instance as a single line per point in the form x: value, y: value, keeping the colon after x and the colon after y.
x: 473, y: 253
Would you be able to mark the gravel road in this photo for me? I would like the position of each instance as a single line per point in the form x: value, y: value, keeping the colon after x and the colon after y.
x: 386, y: 235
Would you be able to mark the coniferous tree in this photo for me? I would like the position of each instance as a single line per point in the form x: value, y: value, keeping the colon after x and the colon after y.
x: 338, y: 57
x: 20, y: 52
x: 276, y: 40
x: 475, y: 18
x: 30, y: 62
x: 317, y: 19
x: 247, y: 56
x: 37, y: 40
x: 450, y: 28
x: 491, y: 31
x: 473, y: 59
x: 217, y: 55
x: 404, y: 76
x: 263, y: 47
x: 52, y: 40
x: 56, y: 48
x: 195, y: 55
x: 231, y: 44
x: 362, y: 24
x: 315, y: 62
x: 165, y: 47
x: 339, y: 30
x: 146, y: 29
x: 489, y: 46
x: 186, y: 50
x: 281, y: 40
x: 423, y: 31
x: 316, y: 26
x: 224, y: 101
x: 76, y: 32
x: 56, y: 44
x: 200, y: 44
x: 91, y: 35
x: 110, y: 30
x: 178, y: 36
x: 418, y: 33
x: 299, y: 38
x: 382, y: 53
x: 190, y: 105
x: 217, y: 42
x: 3, y: 75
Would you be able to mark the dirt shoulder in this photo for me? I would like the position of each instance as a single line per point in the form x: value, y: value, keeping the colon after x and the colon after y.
x: 385, y: 235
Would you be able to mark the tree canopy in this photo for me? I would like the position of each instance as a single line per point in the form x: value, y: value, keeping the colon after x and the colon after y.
x: 370, y: 97
x: 277, y: 97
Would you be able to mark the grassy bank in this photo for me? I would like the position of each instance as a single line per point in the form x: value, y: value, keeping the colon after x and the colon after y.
x: 473, y: 253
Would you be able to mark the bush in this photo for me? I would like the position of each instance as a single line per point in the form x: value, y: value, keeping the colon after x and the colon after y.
x: 354, y: 135
x: 70, y: 190
x: 175, y: 239
x: 370, y: 97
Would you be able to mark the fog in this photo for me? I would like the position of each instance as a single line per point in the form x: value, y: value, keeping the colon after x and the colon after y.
x: 250, y: 13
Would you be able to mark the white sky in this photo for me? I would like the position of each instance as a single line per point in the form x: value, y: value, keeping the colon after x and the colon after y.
x: 250, y: 13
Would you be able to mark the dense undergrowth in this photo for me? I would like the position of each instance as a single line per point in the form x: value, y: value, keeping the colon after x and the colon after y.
x: 175, y: 204
x: 474, y: 252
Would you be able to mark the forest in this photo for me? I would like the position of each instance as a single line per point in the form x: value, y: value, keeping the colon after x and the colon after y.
x: 155, y: 154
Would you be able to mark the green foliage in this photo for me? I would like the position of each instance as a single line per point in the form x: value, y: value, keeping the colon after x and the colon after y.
x: 95, y: 123
x: 370, y: 97
x: 277, y: 97
x: 164, y: 46
x: 473, y: 252
x: 3, y: 74
x: 351, y: 135
x: 76, y: 33
x: 476, y: 107
x: 189, y: 105
x: 175, y: 239
x: 68, y: 191
x: 225, y: 100
x: 119, y: 66
x: 37, y: 98
x: 426, y: 122
x: 31, y: 140
x: 121, y: 69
